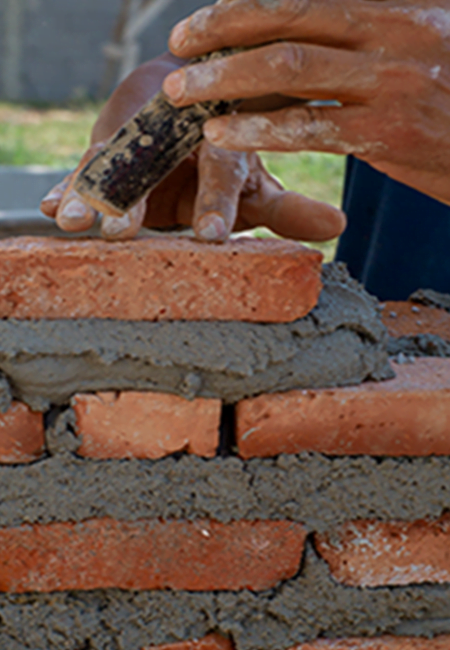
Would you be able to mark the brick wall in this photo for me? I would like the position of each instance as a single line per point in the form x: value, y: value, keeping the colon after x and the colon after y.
x: 402, y: 418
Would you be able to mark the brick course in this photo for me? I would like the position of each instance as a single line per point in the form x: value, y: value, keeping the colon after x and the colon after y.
x: 372, y: 554
x: 21, y: 435
x: 145, y: 425
x: 391, y: 418
x: 408, y: 319
x: 158, y: 279
x: 152, y: 554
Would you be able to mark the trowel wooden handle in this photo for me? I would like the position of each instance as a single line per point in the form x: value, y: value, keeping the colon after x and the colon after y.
x: 145, y: 150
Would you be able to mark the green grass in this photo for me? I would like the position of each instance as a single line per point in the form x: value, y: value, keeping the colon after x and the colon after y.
x: 58, y: 136
x: 55, y: 137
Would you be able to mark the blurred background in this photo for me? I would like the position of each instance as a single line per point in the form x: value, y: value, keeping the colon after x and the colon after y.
x: 59, y: 61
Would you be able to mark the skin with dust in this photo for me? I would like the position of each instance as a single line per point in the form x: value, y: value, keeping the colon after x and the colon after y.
x: 386, y: 64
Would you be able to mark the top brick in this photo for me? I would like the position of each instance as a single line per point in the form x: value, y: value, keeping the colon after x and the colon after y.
x: 158, y: 279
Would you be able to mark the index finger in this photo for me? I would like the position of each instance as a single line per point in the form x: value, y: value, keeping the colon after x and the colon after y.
x: 234, y: 23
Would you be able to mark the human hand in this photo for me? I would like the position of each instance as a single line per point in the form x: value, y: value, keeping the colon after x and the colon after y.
x: 215, y: 191
x: 386, y: 62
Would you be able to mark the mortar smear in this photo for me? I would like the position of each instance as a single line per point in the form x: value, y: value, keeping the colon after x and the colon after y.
x: 318, y: 491
x: 342, y: 341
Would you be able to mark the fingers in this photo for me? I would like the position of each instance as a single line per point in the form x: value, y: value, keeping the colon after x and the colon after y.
x: 265, y: 202
x: 125, y: 227
x: 346, y: 130
x: 74, y: 214
x: 252, y: 22
x: 306, y: 71
x: 222, y: 175
x: 50, y: 202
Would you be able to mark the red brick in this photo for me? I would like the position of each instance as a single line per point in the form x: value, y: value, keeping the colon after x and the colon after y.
x: 158, y: 279
x: 210, y: 642
x: 21, y: 435
x: 408, y: 319
x: 372, y: 554
x: 408, y: 415
x: 381, y: 643
x: 151, y: 554
x: 146, y: 425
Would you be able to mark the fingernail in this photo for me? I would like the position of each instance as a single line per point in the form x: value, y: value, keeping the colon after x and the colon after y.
x: 179, y: 35
x: 53, y: 195
x: 214, y: 131
x: 175, y: 85
x: 212, y: 228
x: 112, y: 226
x: 74, y: 209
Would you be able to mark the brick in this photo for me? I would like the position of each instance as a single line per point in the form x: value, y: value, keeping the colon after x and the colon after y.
x: 372, y: 554
x: 381, y: 643
x: 408, y: 319
x: 149, y: 554
x: 408, y: 415
x: 21, y: 435
x: 145, y: 425
x: 158, y: 279
x: 210, y: 642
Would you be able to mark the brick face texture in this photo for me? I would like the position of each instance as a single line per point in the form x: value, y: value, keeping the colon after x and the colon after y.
x: 372, y: 554
x: 101, y: 553
x: 21, y: 435
x: 389, y: 418
x: 407, y: 319
x: 145, y: 425
x: 158, y: 279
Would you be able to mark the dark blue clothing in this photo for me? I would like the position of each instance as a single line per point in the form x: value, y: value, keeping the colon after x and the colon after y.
x: 397, y: 239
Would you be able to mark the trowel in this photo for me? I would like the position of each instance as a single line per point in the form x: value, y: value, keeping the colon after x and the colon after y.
x: 146, y: 150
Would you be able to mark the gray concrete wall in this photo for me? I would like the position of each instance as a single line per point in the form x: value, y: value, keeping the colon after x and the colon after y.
x: 61, y: 46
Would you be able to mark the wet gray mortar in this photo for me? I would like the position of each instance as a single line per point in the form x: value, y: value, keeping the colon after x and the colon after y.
x: 342, y: 341
x: 307, y: 488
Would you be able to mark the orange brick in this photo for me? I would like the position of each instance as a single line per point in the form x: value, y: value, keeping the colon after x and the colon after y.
x: 210, y: 642
x: 146, y: 425
x: 380, y: 643
x: 149, y: 554
x: 408, y: 415
x: 21, y: 435
x: 158, y: 279
x: 372, y: 554
x: 408, y: 319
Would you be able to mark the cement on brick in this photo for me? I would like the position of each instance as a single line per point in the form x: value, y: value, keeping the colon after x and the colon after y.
x: 318, y: 491
x: 5, y: 394
x: 307, y: 607
x: 431, y: 298
x: 341, y: 342
x: 419, y: 345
